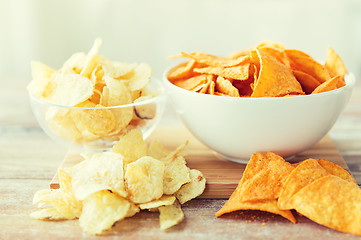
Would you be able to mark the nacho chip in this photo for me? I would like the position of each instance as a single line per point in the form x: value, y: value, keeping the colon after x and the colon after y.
x: 264, y: 177
x: 329, y: 85
x: 303, y: 62
x: 225, y: 86
x: 308, y: 83
x: 332, y: 202
x: 336, y: 170
x: 183, y: 70
x: 215, y: 61
x: 334, y: 63
x: 191, y: 83
x: 240, y: 72
x: 305, y: 173
x: 274, y: 79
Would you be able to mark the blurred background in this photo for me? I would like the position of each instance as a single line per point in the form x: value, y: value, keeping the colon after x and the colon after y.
x: 149, y: 31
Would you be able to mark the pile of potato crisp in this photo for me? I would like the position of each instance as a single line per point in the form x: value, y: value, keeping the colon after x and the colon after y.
x: 108, y: 187
x: 268, y: 70
x: 316, y: 188
x: 92, y: 83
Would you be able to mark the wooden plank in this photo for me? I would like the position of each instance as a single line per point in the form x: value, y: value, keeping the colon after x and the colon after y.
x: 222, y: 175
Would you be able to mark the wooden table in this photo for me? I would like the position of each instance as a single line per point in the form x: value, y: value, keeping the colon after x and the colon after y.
x: 29, y: 159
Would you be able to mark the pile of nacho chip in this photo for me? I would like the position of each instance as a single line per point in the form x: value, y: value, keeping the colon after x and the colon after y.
x: 268, y: 70
x: 92, y: 82
x: 316, y: 188
x: 108, y: 187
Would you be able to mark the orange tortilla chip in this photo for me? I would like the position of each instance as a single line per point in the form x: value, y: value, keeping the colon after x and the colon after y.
x: 336, y: 170
x: 303, y: 62
x: 234, y: 204
x: 264, y: 177
x: 191, y: 83
x: 308, y: 83
x: 305, y: 173
x: 240, y: 72
x: 225, y: 86
x: 329, y: 85
x: 274, y: 79
x: 215, y: 61
x: 279, y: 54
x: 332, y: 202
x: 183, y: 70
x: 334, y: 63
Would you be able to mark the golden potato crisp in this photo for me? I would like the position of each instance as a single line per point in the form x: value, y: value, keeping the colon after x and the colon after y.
x: 99, y: 171
x: 63, y: 202
x: 170, y: 215
x: 92, y: 81
x: 144, y: 179
x: 101, y: 211
x: 192, y: 189
x: 332, y: 202
x: 131, y: 146
x: 102, y: 190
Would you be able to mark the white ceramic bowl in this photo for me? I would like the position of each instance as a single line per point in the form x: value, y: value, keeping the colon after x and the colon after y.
x: 60, y: 124
x: 237, y: 127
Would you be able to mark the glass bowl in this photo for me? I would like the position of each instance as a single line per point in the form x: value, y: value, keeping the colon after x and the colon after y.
x: 96, y: 129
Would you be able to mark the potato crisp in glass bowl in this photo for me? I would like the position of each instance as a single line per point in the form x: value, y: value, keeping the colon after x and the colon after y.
x: 91, y: 100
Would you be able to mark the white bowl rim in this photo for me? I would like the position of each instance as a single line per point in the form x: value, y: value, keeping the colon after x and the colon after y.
x: 349, y: 80
x: 159, y: 95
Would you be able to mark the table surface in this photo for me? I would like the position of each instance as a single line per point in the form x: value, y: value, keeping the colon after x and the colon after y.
x: 29, y: 159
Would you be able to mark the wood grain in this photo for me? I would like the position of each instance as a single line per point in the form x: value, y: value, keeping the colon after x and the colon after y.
x: 222, y: 175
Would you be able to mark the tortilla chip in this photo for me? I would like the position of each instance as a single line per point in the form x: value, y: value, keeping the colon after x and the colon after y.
x: 334, y: 63
x: 264, y: 177
x: 337, y: 206
x: 215, y: 61
x: 235, y: 203
x: 303, y: 62
x: 225, y: 86
x: 183, y: 70
x: 240, y: 72
x: 336, y: 170
x: 305, y: 173
x: 275, y: 79
x: 191, y: 83
x: 329, y: 85
x: 308, y: 83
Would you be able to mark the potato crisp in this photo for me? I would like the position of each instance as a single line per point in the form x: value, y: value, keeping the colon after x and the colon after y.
x: 108, y: 187
x: 92, y: 91
x: 316, y: 188
x: 267, y: 70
